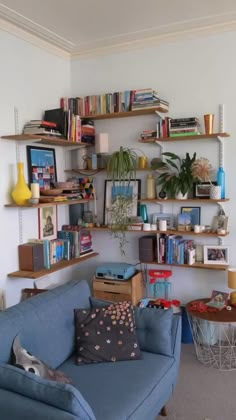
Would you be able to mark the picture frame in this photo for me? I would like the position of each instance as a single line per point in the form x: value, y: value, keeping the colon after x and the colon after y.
x: 47, y: 222
x: 202, y: 189
x: 220, y: 223
x: 195, y: 214
x: 113, y: 188
x: 219, y: 300
x: 41, y: 166
x: 216, y: 254
x: 169, y: 217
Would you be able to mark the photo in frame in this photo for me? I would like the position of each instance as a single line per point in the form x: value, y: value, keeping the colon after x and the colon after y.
x: 219, y: 300
x: 41, y: 166
x: 47, y: 222
x: 195, y: 214
x: 114, y: 189
x: 202, y: 189
x: 216, y: 254
x: 220, y: 223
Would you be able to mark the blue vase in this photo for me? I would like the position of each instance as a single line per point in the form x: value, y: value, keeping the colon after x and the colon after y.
x: 144, y: 213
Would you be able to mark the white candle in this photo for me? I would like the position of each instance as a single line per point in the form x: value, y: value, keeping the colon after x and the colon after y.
x: 35, y: 190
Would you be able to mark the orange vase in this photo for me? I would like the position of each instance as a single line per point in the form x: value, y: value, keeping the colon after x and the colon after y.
x: 21, y: 193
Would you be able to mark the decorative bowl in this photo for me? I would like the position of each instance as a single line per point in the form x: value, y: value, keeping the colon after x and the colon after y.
x: 51, y: 192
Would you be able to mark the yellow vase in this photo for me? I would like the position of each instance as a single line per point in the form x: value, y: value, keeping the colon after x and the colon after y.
x: 21, y: 193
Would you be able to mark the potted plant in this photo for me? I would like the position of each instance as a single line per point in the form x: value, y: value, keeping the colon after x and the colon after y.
x: 176, y: 177
x: 121, y: 170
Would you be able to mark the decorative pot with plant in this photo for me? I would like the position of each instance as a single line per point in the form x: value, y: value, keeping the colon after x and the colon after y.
x: 175, y: 174
x: 121, y: 170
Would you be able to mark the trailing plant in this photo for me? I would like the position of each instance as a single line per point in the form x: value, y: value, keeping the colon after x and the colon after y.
x: 121, y: 169
x: 175, y: 173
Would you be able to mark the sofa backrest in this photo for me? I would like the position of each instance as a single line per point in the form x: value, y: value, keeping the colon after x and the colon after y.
x: 45, y: 323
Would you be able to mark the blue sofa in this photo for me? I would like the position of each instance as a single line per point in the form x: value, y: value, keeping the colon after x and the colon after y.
x: 135, y: 390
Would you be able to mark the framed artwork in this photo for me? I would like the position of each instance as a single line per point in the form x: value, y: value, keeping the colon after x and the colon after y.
x: 218, y: 254
x: 195, y: 214
x: 218, y: 300
x: 113, y: 190
x: 47, y: 221
x: 202, y: 189
x: 41, y: 166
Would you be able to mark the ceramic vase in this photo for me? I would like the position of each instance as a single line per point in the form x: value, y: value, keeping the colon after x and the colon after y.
x: 21, y: 193
x: 181, y: 196
x: 215, y: 192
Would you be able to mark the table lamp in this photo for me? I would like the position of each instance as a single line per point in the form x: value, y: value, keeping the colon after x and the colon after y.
x: 232, y: 285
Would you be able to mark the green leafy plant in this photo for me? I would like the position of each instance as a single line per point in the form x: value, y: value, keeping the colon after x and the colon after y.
x: 121, y: 169
x: 175, y: 173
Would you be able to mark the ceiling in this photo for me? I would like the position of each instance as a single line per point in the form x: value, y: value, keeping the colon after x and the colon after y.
x: 88, y: 27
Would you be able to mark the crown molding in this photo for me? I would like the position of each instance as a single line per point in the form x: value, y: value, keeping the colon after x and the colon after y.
x: 24, y: 28
x: 149, y: 41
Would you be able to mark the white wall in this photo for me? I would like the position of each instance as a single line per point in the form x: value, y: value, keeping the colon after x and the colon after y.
x: 32, y: 80
x: 195, y: 76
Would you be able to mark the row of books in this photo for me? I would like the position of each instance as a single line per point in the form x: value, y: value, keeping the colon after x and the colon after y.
x: 108, y: 103
x: 68, y: 245
x: 173, y: 249
x: 172, y: 127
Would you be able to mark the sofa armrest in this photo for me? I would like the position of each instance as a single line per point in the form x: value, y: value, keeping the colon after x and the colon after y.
x: 16, y: 406
x: 62, y: 396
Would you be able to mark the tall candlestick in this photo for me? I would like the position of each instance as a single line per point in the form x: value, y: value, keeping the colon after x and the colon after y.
x: 35, y: 190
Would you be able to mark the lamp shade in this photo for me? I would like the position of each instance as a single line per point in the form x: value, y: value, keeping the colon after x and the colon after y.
x: 232, y: 278
x: 101, y: 143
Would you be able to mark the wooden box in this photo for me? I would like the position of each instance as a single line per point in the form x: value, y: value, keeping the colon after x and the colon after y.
x: 116, y: 291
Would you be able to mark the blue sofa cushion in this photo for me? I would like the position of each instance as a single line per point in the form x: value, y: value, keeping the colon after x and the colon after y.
x: 26, y: 361
x: 153, y: 327
x: 106, y: 334
x: 62, y: 396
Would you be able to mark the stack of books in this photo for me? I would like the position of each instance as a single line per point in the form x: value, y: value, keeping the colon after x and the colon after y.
x: 88, y: 131
x: 148, y: 99
x: 42, y: 127
x: 183, y: 127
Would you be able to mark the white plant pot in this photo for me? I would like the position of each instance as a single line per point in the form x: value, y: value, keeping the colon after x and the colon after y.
x: 215, y: 192
x: 180, y: 196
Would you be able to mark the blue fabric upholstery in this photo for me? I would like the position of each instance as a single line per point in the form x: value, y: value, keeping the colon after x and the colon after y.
x: 153, y: 328
x: 125, y: 390
x: 45, y: 323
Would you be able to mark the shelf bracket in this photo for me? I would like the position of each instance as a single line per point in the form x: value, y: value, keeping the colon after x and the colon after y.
x: 221, y: 150
x: 160, y: 145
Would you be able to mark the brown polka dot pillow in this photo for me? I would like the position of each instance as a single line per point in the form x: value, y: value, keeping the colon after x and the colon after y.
x: 106, y: 334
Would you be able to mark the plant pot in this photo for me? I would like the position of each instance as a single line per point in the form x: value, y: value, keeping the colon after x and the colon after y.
x: 181, y: 196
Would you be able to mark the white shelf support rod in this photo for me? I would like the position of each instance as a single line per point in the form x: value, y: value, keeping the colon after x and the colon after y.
x: 161, y: 147
x: 220, y: 240
x: 18, y: 159
x: 221, y: 150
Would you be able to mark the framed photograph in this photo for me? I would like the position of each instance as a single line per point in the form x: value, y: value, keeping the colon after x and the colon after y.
x: 218, y: 254
x: 195, y: 214
x: 41, y: 166
x: 202, y: 189
x: 219, y: 300
x: 47, y: 218
x: 113, y: 190
x: 169, y: 217
x: 220, y: 223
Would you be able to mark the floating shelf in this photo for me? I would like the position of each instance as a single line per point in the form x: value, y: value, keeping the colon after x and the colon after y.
x: 222, y: 267
x: 146, y: 111
x: 52, y: 203
x: 184, y: 138
x: 55, y: 267
x: 187, y: 200
x: 168, y: 232
x: 55, y: 141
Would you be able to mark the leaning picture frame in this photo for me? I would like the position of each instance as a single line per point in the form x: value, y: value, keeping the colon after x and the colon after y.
x: 113, y: 189
x: 216, y: 254
x: 202, y: 189
x: 47, y: 222
x: 195, y: 214
x: 220, y: 223
x: 41, y: 166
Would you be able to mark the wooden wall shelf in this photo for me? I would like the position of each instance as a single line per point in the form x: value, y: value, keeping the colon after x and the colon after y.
x: 50, y: 140
x: 168, y: 232
x: 184, y: 138
x: 222, y: 267
x: 55, y: 267
x: 146, y: 111
x: 52, y: 203
x: 188, y: 200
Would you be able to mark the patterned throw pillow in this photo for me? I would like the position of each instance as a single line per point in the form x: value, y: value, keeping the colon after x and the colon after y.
x: 26, y: 361
x: 106, y: 334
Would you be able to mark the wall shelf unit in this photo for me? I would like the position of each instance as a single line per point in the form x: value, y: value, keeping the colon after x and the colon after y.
x: 184, y: 138
x: 136, y: 113
x: 49, y: 140
x: 187, y: 200
x: 168, y: 232
x: 50, y: 203
x: 222, y: 267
